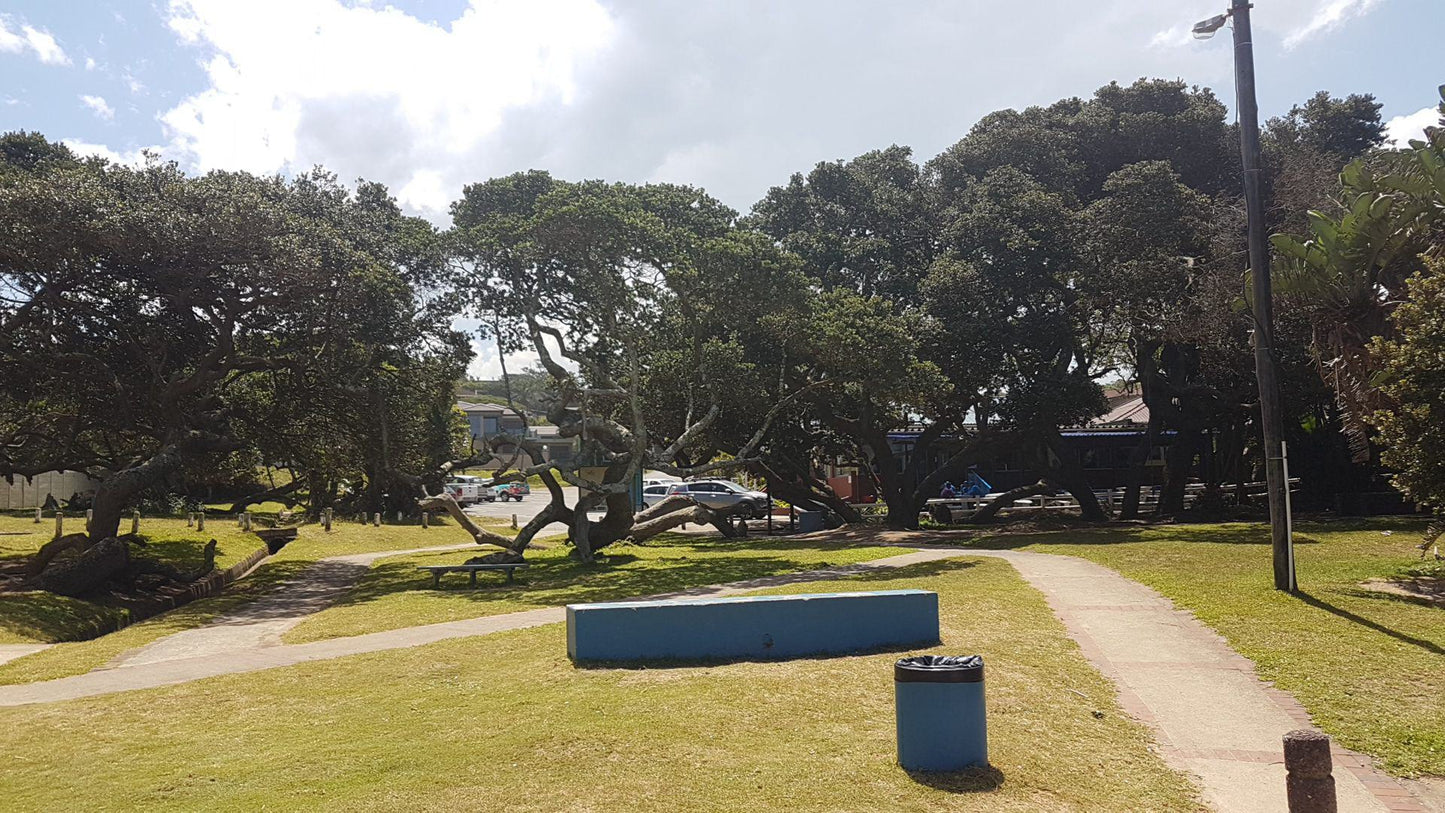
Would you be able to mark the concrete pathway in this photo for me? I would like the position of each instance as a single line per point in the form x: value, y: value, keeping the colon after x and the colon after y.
x: 9, y: 652
x: 1211, y: 715
x: 262, y: 622
x: 150, y: 673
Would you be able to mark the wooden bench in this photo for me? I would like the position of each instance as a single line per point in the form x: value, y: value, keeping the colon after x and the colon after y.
x: 438, y: 570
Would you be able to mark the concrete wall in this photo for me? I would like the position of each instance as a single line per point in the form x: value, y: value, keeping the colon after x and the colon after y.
x: 752, y: 627
x: 32, y: 493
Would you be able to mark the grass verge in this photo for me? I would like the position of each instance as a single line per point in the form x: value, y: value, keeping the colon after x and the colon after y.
x: 504, y: 722
x: 395, y: 594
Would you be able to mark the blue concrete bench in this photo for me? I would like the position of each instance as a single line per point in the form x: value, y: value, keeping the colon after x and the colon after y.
x: 753, y: 627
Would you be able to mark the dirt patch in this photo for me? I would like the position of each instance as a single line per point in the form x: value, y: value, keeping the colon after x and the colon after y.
x: 1427, y: 590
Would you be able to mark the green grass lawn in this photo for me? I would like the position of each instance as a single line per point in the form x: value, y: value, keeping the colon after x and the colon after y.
x: 505, y: 722
x: 395, y: 594
x: 1370, y: 669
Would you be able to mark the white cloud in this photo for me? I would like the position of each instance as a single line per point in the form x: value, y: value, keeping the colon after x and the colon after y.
x: 1328, y: 15
x: 373, y: 91
x: 90, y: 63
x: 1400, y: 129
x: 98, y: 106
x: 135, y: 158
x: 35, y: 40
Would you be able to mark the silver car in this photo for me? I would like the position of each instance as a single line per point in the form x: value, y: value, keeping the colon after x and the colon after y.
x: 719, y: 494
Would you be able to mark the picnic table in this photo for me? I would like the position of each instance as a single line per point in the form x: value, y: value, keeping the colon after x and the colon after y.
x: 438, y: 570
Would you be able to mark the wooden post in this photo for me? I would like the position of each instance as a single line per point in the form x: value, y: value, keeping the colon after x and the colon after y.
x: 425, y: 519
x: 200, y: 520
x: 376, y: 519
x: 59, y: 524
x: 37, y: 516
x: 89, y: 514
x: 326, y: 518
x: 190, y: 519
x: 135, y: 522
x: 514, y: 522
x: 398, y: 517
x: 1309, y: 787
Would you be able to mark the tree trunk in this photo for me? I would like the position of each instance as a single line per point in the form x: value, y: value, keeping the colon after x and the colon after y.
x: 988, y: 510
x: 269, y: 494
x: 1181, y: 463
x: 1138, y: 464
x: 87, y: 572
x: 116, y: 493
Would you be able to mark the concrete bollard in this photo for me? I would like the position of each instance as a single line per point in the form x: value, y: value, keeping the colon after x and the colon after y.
x: 59, y: 524
x: 398, y: 517
x: 425, y: 519
x: 376, y: 519
x: 1309, y: 786
x: 190, y: 519
x: 134, y: 522
x: 89, y: 515
x: 326, y: 519
x: 37, y: 516
x: 200, y: 520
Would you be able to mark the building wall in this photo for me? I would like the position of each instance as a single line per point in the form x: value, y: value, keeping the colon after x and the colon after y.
x: 32, y: 493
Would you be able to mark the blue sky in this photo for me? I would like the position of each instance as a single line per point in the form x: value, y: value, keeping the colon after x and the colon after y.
x: 729, y: 95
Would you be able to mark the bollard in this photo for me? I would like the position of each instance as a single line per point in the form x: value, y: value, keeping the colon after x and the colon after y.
x: 425, y: 519
x: 326, y: 519
x: 89, y: 515
x: 376, y: 519
x: 398, y: 517
x: 1308, y: 784
x: 59, y: 524
x: 190, y: 519
x: 941, y: 719
x: 37, y: 516
x: 134, y: 523
x: 514, y: 522
x: 200, y: 520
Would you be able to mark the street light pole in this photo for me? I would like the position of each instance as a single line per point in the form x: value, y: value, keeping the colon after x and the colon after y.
x: 1264, y: 357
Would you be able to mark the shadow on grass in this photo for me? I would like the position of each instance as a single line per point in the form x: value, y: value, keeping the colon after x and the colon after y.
x: 1321, y: 604
x: 980, y: 779
x: 653, y: 664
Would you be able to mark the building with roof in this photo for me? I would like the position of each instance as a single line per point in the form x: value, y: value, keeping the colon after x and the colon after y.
x: 486, y: 420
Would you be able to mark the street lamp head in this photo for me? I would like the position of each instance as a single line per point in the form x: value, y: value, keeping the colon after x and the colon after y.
x: 1204, y: 29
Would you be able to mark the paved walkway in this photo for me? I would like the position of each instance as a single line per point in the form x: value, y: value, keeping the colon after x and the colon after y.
x: 1211, y: 715
x: 151, y: 673
x: 9, y: 652
x: 262, y: 622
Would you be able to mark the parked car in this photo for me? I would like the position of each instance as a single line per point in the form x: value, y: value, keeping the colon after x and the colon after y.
x: 719, y: 494
x: 466, y: 490
x: 654, y: 493
x: 509, y: 491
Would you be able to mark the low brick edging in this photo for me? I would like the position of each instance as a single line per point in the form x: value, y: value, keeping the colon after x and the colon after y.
x: 204, y: 587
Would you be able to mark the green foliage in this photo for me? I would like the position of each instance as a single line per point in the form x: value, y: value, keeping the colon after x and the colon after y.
x: 1412, y: 378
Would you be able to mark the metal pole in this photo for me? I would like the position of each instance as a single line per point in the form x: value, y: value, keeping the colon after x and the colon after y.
x: 1264, y: 360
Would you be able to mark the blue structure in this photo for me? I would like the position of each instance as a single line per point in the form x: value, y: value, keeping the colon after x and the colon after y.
x: 761, y: 627
x: 942, y: 723
x: 976, y: 486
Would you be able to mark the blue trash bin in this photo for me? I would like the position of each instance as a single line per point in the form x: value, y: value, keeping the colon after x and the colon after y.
x: 940, y: 711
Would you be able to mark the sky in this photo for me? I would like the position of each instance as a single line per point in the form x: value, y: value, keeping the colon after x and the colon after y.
x: 729, y: 95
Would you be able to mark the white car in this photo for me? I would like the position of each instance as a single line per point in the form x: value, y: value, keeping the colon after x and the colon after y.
x: 719, y: 494
x: 468, y: 490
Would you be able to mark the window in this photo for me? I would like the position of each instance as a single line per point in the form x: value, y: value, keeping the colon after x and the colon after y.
x: 655, y: 490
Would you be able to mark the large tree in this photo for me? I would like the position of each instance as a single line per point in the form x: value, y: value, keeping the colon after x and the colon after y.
x: 150, y: 319
x: 631, y: 297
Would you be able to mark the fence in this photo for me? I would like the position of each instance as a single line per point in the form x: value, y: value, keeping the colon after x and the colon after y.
x: 31, y: 493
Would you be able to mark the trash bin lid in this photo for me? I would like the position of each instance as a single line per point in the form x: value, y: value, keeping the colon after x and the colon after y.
x: 939, y: 669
